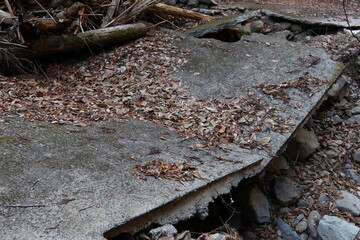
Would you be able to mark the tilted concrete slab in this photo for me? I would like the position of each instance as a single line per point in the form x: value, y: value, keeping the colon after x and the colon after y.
x: 81, y: 179
x: 289, y: 13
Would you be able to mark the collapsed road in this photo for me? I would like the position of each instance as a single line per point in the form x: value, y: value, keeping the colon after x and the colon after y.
x: 71, y: 182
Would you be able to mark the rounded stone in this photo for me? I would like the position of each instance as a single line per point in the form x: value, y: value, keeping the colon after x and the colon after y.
x: 302, y: 226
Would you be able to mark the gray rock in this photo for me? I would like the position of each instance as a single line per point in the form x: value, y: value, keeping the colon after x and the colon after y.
x: 295, y: 28
x: 284, y: 210
x: 352, y: 175
x: 267, y: 20
x: 336, y: 119
x: 284, y: 190
x: 307, y: 39
x: 209, y: 2
x: 217, y: 26
x: 356, y: 156
x: 348, y: 165
x: 303, y: 188
x: 219, y: 236
x: 282, y: 34
x: 247, y: 27
x: 166, y: 230
x: 301, y: 36
x: 298, y: 219
x: 257, y: 26
x: 291, y: 172
x: 322, y: 200
x: 260, y: 204
x: 302, y: 203
x: 354, y: 119
x: 324, y: 173
x: 278, y: 164
x: 304, y: 236
x: 338, y: 89
x: 333, y: 228
x: 249, y: 236
x: 349, y: 203
x: 193, y: 3
x: 355, y: 110
x: 286, y: 231
x: 302, y: 226
x: 284, y: 26
x: 202, y: 213
x: 313, y: 220
x: 170, y: 2
x: 302, y: 146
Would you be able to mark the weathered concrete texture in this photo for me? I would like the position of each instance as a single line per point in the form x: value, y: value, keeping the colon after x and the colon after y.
x: 219, y: 69
x: 289, y: 13
x: 83, y: 176
x: 47, y: 164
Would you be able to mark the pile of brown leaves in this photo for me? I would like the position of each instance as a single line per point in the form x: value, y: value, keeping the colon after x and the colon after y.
x: 174, y: 171
x: 133, y: 81
x: 278, y: 91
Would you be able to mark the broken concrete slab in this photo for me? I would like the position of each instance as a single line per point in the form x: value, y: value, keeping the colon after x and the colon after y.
x: 83, y: 178
x: 65, y: 182
x: 289, y: 13
x: 219, y: 25
x: 217, y: 70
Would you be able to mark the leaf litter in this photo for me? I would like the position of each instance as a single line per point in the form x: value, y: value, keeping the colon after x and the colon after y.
x: 133, y: 81
x: 173, y: 171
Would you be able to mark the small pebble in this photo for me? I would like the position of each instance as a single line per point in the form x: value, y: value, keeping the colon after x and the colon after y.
x: 302, y: 226
x: 284, y: 210
x: 298, y: 219
x: 355, y: 110
x: 304, y: 236
x: 302, y: 203
x: 324, y: 173
x: 322, y: 199
x: 357, y: 156
x: 336, y: 119
x: 352, y: 175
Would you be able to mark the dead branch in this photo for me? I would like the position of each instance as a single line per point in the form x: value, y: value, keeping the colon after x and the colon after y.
x: 179, y: 12
x: 93, y: 38
x: 135, y: 9
x: 114, y: 6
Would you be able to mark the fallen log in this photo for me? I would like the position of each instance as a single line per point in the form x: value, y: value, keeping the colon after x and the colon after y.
x: 94, y: 38
x: 179, y: 12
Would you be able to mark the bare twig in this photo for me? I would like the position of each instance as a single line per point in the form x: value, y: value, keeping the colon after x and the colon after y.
x: 33, y: 185
x: 8, y: 5
x: 348, y: 22
x: 25, y: 206
x: 55, y: 21
x: 122, y: 14
x: 159, y: 23
x: 172, y: 24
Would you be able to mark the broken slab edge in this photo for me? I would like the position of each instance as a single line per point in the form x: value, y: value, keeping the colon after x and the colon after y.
x: 187, y: 206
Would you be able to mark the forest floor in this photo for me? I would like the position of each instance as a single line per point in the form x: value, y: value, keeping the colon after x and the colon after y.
x: 77, y: 94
